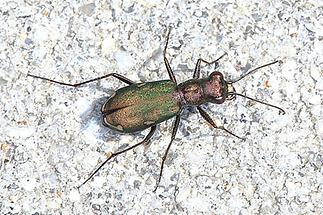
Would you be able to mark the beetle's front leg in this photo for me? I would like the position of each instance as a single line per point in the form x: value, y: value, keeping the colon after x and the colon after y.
x: 168, y: 67
x: 197, y: 69
x: 209, y: 120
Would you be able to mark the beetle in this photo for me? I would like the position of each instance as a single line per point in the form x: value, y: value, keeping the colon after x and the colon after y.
x: 141, y: 106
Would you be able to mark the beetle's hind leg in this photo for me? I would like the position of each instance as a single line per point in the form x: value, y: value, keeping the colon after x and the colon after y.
x: 209, y: 120
x: 167, y: 150
x: 115, y: 75
x: 147, y: 138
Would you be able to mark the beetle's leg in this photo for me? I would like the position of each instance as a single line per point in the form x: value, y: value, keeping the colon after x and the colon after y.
x: 209, y: 120
x: 168, y: 147
x: 198, y: 65
x: 120, y: 77
x: 147, y: 138
x: 169, y: 69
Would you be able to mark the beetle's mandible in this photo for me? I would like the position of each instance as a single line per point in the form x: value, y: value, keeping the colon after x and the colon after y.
x: 141, y: 106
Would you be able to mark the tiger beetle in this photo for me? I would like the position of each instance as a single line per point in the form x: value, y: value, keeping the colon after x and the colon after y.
x: 140, y: 106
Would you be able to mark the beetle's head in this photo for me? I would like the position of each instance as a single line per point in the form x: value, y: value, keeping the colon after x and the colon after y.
x: 217, y: 89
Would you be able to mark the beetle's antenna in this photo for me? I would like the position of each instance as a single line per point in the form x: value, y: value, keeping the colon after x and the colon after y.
x: 261, y: 102
x: 252, y: 71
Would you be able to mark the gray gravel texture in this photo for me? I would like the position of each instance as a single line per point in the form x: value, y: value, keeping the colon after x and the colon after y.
x: 52, y: 138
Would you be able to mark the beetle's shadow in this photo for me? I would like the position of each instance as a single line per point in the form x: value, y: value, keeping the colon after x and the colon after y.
x: 93, y: 116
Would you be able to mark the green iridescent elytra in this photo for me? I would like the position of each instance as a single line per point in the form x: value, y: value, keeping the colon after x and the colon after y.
x: 139, y: 106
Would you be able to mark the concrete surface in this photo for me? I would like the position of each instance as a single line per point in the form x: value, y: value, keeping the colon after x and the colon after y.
x: 52, y: 138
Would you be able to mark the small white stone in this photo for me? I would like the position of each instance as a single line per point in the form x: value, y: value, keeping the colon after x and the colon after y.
x: 88, y: 9
x: 315, y: 26
x: 320, y: 125
x: 108, y: 46
x: 91, y: 131
x: 315, y: 99
x: 28, y: 183
x: 82, y: 105
x: 195, y: 160
x: 315, y: 72
x: 184, y: 194
x: 316, y: 109
x: 125, y: 139
x: 41, y: 33
x: 91, y: 159
x: 288, y: 69
x: 198, y: 13
x: 292, y: 188
x: 292, y: 92
x: 15, y: 207
x: 249, y: 190
x: 21, y: 132
x: 124, y: 60
x: 199, y: 204
x: 98, y: 181
x: 319, y: 84
x: 150, y: 3
x: 54, y: 203
x: 74, y: 195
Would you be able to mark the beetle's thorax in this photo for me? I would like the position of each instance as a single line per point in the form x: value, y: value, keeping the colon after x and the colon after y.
x: 198, y: 91
x: 191, y: 92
